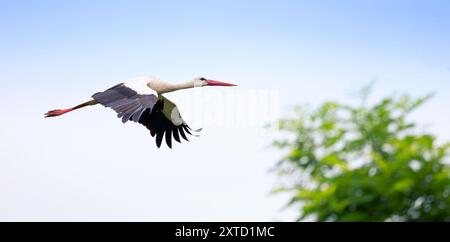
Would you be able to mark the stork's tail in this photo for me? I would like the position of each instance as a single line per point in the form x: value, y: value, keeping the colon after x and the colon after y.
x: 58, y: 112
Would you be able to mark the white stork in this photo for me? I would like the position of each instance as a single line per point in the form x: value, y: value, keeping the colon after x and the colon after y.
x: 141, y: 100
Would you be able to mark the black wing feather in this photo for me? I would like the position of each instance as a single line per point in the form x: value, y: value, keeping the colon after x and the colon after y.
x: 169, y: 137
x: 159, y: 124
x: 176, y: 136
x: 159, y: 137
x: 182, y: 133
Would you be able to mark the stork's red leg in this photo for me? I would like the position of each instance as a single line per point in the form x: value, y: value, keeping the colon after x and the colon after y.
x: 58, y: 112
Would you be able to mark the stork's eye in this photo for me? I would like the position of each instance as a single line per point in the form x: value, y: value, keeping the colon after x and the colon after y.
x: 202, y: 79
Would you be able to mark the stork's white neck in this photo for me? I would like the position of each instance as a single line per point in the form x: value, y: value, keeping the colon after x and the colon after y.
x: 170, y: 87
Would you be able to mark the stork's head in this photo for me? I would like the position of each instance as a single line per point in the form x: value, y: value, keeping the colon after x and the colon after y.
x: 208, y: 82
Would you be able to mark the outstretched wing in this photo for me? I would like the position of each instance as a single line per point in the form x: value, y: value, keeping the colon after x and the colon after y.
x: 129, y: 101
x: 165, y: 119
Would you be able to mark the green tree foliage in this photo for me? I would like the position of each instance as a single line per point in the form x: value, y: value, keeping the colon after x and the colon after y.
x: 364, y: 163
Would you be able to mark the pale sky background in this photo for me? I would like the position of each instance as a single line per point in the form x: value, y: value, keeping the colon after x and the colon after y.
x: 87, y: 165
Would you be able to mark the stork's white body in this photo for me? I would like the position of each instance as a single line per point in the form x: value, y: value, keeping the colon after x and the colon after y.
x: 144, y: 85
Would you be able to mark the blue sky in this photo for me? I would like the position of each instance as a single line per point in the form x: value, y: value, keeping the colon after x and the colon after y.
x: 88, y: 166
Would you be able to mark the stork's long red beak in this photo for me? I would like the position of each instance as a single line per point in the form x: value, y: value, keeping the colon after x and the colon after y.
x: 218, y: 83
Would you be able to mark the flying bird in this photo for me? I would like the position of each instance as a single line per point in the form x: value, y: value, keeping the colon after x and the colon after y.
x: 141, y: 100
